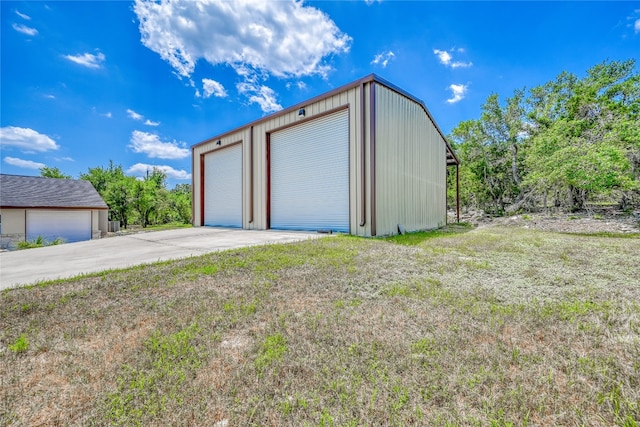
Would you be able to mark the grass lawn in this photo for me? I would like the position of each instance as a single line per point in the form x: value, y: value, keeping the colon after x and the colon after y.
x: 491, y: 326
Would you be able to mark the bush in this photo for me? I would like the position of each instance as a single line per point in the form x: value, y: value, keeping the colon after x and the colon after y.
x: 39, y: 242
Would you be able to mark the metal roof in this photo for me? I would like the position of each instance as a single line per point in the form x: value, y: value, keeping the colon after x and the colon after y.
x: 17, y: 191
x: 452, y: 158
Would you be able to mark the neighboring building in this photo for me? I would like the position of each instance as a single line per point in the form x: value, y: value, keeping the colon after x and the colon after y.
x: 365, y: 159
x: 32, y: 206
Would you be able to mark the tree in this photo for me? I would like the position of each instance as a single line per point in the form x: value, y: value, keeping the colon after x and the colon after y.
x: 119, y: 196
x: 53, y: 172
x: 146, y: 201
x: 490, y: 152
x: 574, y: 139
x: 180, y: 203
x: 149, y: 195
x: 585, y: 134
x: 100, y: 176
x: 115, y: 188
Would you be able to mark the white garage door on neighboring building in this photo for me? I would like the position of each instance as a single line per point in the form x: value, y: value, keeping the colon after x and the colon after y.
x: 310, y: 175
x: 70, y: 225
x: 223, y: 187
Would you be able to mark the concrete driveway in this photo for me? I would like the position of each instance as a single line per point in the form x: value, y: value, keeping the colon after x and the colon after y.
x: 71, y: 259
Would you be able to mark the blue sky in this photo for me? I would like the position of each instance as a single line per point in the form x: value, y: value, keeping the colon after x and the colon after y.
x: 138, y: 83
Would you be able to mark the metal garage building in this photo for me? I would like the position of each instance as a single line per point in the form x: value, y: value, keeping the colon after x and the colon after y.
x: 361, y: 159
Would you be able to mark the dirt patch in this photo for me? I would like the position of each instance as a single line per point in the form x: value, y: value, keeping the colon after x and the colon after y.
x: 579, y: 223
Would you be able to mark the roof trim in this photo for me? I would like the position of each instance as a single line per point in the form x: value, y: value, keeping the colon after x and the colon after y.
x: 418, y: 101
x: 451, y: 156
x: 58, y: 208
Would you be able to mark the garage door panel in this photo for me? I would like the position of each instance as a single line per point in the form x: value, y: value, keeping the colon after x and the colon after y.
x: 223, y: 187
x: 310, y: 175
x: 71, y: 226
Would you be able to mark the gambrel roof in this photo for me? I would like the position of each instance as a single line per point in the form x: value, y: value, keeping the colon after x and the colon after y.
x: 17, y: 191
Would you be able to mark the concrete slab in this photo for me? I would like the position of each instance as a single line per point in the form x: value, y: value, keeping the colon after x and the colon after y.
x: 71, y: 259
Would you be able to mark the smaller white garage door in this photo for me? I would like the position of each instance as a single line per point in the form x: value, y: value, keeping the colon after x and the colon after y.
x: 223, y: 187
x: 71, y: 226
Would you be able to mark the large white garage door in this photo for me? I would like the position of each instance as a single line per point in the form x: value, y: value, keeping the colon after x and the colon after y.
x: 223, y: 187
x: 310, y: 175
x: 70, y: 225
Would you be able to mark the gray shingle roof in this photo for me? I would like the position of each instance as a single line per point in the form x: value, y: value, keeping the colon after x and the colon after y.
x: 36, y: 191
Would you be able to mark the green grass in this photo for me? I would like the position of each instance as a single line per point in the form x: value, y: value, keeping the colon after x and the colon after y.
x: 145, y: 393
x: 39, y: 242
x: 168, y: 226
x: 492, y: 326
x: 21, y: 344
x: 271, y: 352
x: 417, y: 238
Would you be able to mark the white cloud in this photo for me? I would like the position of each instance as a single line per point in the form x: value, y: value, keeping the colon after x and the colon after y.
x: 446, y: 59
x: 383, y: 58
x: 135, y: 116
x: 108, y: 115
x: 23, y: 16
x: 281, y: 38
x: 458, y: 92
x: 300, y: 85
x: 262, y: 95
x: 150, y: 144
x: 87, y: 59
x: 285, y: 39
x: 25, y: 30
x: 140, y: 169
x: 370, y: 2
x: 49, y: 96
x: 443, y: 56
x: 27, y: 164
x: 26, y: 139
x: 460, y: 64
x: 212, y: 87
x: 633, y: 21
x: 64, y: 159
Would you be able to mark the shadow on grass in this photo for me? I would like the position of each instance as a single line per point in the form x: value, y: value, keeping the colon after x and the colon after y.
x: 414, y: 239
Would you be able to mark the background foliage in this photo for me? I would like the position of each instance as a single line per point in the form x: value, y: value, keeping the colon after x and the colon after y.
x: 567, y: 143
x: 144, y: 201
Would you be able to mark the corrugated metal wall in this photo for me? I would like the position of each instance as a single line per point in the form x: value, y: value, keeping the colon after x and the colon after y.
x: 410, y: 161
x: 349, y: 98
x: 410, y: 165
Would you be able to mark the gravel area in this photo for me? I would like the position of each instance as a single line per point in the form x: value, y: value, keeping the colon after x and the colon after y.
x: 611, y: 222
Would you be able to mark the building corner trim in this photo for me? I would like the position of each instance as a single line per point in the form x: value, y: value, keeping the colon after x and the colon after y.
x: 372, y: 153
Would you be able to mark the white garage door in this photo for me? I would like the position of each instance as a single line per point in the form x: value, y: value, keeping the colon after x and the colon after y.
x: 70, y: 225
x: 223, y: 187
x: 310, y: 175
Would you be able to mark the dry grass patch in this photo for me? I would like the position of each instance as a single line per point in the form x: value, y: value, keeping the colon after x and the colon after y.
x: 493, y: 326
